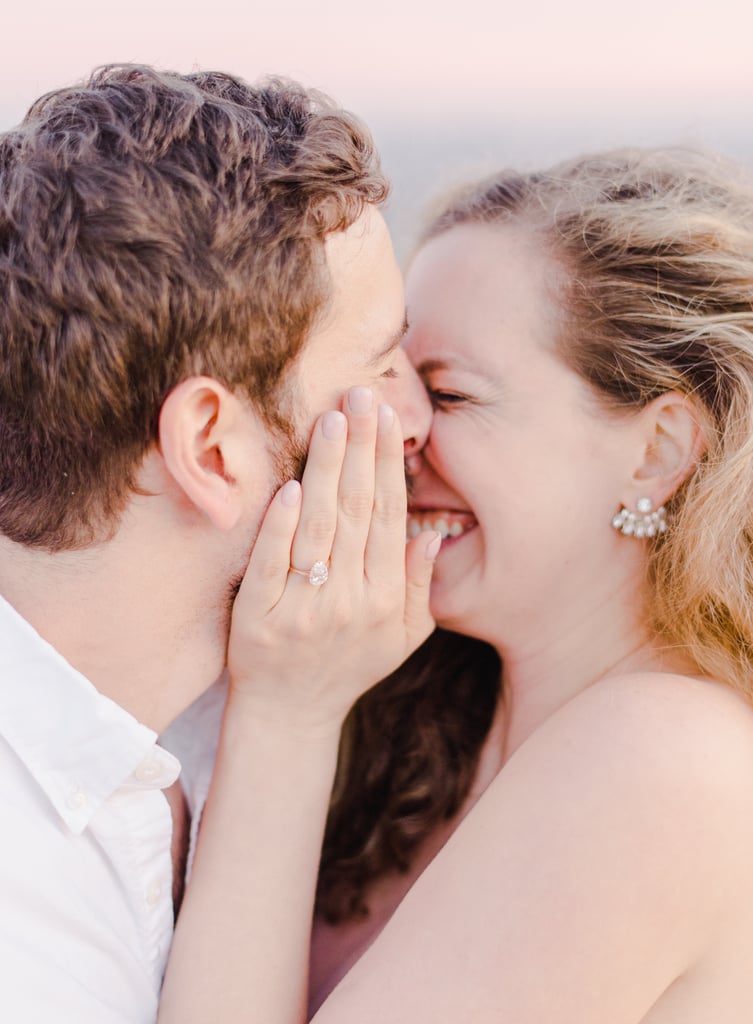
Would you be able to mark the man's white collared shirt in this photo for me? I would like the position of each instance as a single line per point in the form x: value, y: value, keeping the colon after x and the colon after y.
x: 86, y: 913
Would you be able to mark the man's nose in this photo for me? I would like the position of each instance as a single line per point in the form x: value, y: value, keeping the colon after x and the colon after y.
x: 408, y: 397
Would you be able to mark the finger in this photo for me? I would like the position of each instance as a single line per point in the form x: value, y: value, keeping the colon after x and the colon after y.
x: 318, y: 521
x: 356, y: 492
x: 420, y: 556
x: 267, y: 572
x: 385, y: 547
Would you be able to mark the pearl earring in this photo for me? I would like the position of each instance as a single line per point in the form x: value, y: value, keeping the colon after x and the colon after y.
x: 644, y: 522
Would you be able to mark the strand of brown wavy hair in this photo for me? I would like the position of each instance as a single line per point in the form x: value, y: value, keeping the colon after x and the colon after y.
x: 408, y: 755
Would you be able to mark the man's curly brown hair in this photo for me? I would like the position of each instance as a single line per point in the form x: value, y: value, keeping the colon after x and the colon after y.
x: 154, y: 226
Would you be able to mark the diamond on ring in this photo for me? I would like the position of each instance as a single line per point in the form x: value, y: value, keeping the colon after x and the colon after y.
x: 317, y: 575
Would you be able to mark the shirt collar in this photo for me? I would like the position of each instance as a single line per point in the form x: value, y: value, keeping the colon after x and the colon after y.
x: 79, y: 745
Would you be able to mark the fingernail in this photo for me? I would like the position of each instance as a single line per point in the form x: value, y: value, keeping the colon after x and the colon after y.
x: 432, y: 548
x: 333, y: 425
x: 385, y: 418
x: 290, y: 494
x: 360, y: 400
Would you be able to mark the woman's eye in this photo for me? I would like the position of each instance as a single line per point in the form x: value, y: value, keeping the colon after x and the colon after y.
x: 390, y: 374
x: 442, y: 399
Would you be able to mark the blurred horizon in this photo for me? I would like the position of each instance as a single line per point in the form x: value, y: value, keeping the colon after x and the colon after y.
x: 449, y: 93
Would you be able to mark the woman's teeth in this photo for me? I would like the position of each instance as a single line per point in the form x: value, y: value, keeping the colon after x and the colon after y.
x: 445, y: 523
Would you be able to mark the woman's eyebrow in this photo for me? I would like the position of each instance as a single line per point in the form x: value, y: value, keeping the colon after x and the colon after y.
x: 452, y: 362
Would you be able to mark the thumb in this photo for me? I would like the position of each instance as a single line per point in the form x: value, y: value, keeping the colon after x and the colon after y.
x: 420, y: 556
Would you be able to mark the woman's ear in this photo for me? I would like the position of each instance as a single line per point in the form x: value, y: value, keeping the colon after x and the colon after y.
x: 198, y: 424
x: 674, y: 445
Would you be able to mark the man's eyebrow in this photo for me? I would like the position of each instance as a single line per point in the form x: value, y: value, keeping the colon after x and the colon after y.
x: 391, y: 345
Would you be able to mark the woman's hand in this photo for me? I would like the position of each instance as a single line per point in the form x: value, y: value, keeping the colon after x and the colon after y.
x: 302, y: 654
x: 299, y: 656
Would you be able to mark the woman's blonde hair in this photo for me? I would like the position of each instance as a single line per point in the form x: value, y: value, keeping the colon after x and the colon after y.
x: 657, y: 246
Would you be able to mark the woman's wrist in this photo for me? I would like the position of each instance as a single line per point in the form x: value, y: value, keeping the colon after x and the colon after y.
x: 303, y: 730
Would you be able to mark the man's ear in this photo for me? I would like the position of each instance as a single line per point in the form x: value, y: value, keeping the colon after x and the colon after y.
x: 674, y: 445
x: 199, y: 425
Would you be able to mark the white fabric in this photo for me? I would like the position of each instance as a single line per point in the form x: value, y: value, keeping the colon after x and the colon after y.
x: 86, y: 914
x: 194, y: 737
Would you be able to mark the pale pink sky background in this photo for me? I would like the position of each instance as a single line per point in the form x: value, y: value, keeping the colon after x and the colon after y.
x: 402, y: 53
x: 446, y: 86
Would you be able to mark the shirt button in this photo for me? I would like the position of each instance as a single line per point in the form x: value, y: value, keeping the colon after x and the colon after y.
x: 153, y: 893
x: 149, y: 770
x: 76, y: 799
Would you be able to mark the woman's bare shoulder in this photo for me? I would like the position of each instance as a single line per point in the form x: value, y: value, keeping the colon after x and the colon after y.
x: 648, y: 734
x: 623, y: 824
x: 665, y: 719
x: 660, y: 755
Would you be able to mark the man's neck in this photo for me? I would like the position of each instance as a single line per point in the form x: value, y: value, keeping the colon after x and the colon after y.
x: 127, y: 616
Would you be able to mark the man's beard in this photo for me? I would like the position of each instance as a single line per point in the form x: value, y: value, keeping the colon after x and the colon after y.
x: 288, y: 454
x: 410, y: 482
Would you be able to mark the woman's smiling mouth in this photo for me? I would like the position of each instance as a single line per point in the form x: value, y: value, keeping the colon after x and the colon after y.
x: 446, y: 522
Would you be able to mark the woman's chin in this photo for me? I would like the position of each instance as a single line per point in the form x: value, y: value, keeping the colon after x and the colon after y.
x: 448, y: 612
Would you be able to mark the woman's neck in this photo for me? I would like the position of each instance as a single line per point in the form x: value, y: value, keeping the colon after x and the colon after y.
x: 548, y: 668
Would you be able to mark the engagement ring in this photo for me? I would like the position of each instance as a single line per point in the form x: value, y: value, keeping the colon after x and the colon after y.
x: 317, y: 575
